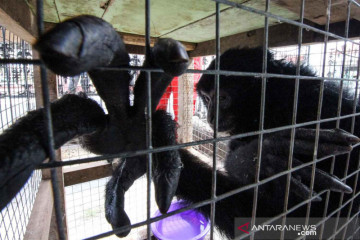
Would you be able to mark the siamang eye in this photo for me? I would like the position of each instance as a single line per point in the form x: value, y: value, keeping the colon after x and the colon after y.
x: 222, y: 98
x: 207, y: 99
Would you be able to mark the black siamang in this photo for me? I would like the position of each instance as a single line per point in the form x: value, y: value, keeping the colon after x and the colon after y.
x: 239, y: 112
x: 89, y: 44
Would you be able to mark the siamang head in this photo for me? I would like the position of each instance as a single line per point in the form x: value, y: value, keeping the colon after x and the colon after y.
x: 239, y: 96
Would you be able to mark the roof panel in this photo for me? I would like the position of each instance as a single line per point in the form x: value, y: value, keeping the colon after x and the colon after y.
x: 129, y: 15
x: 232, y: 21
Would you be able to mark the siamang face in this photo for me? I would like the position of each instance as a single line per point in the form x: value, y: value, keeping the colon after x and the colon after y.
x: 226, y: 118
x: 239, y: 102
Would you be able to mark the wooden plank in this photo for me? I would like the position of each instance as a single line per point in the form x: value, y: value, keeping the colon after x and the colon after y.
x: 87, y: 172
x: 138, y: 40
x: 279, y: 35
x: 315, y: 10
x: 16, y: 16
x: 39, y: 224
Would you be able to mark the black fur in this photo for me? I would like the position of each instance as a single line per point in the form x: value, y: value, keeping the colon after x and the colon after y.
x: 24, y: 146
x: 240, y: 111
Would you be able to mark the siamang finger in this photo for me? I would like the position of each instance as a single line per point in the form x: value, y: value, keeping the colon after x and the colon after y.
x: 301, y: 190
x: 166, y: 174
x: 114, y: 202
x: 123, y: 177
x: 305, y: 147
x: 322, y: 181
x: 81, y: 44
x: 171, y: 56
x: 167, y: 165
x: 25, y: 144
x: 334, y: 136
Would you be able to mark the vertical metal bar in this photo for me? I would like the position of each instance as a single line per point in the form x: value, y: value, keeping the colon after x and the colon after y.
x: 262, y: 115
x: 216, y: 123
x: 326, y: 38
x: 7, y: 78
x: 148, y: 116
x: 16, y: 78
x: 339, y: 105
x: 48, y: 121
x: 27, y: 89
x: 294, y: 116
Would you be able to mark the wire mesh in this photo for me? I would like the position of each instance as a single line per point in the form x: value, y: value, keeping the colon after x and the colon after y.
x: 17, y: 97
x: 334, y: 64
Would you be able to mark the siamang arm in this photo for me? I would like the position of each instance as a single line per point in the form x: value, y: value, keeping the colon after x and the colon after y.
x: 85, y: 44
x: 25, y: 144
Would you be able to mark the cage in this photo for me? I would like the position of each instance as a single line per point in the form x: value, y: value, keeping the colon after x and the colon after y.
x: 321, y: 34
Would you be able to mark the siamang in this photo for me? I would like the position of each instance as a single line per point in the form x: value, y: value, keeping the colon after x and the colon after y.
x: 239, y: 112
x: 89, y: 44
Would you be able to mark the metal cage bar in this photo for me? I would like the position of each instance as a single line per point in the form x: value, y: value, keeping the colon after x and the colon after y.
x: 217, y: 72
x: 49, y: 128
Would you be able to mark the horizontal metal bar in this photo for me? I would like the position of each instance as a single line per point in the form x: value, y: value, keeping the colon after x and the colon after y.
x: 189, y: 144
x: 232, y: 73
x: 21, y: 61
x: 282, y: 19
x: 209, y: 72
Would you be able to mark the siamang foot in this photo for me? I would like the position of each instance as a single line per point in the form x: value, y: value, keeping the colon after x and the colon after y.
x: 171, y: 56
x: 275, y: 154
x: 123, y: 177
x: 80, y: 44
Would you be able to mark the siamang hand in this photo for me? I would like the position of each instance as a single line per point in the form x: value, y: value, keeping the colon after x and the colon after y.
x: 89, y: 44
x: 275, y: 157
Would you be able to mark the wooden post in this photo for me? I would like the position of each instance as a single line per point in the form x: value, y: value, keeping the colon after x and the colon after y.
x: 51, y: 79
x: 186, y: 94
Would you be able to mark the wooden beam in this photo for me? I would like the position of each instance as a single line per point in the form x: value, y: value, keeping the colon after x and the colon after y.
x: 86, y: 173
x: 17, y: 17
x: 39, y: 224
x: 279, y: 35
x: 315, y: 10
x: 185, y: 102
x: 134, y: 40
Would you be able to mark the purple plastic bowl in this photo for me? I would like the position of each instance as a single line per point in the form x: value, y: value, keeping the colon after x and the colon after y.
x: 188, y: 225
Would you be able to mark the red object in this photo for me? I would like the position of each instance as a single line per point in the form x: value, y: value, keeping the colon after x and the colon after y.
x: 174, y: 89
